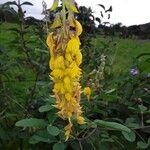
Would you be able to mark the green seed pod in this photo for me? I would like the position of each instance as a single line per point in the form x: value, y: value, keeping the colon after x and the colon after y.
x: 55, y: 5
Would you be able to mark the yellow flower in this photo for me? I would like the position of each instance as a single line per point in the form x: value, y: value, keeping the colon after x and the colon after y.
x: 65, y: 59
x: 72, y: 46
x: 78, y: 28
x: 62, y: 89
x: 59, y: 62
x: 78, y: 57
x: 75, y: 71
x: 62, y: 104
x: 57, y: 87
x: 51, y: 63
x: 68, y: 57
x: 50, y: 41
x: 67, y: 84
x: 80, y: 120
x: 87, y: 92
x: 69, y: 114
x: 68, y: 96
x: 68, y: 131
x: 57, y: 73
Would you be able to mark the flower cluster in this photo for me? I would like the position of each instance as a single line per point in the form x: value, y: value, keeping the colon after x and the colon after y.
x: 87, y: 92
x: 65, y: 59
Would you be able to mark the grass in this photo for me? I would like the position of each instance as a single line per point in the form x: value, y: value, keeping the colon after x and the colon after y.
x: 15, y: 72
x: 124, y: 52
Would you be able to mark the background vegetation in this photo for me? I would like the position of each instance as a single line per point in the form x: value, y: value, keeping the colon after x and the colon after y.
x: 115, y: 65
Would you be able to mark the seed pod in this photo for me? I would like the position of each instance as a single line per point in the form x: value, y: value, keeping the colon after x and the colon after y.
x: 54, y: 5
x: 57, y: 22
x: 71, y: 19
x: 71, y: 6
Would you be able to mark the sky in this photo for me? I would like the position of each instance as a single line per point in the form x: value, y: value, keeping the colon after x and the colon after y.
x: 128, y: 12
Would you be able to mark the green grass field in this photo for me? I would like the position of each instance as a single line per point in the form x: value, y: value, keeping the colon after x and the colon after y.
x: 123, y: 53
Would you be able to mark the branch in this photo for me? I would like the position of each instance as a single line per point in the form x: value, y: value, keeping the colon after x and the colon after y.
x: 88, y: 135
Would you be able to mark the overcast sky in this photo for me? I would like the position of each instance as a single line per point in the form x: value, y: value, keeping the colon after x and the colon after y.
x: 128, y: 12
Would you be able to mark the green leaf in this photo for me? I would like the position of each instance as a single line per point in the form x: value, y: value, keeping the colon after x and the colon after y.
x: 46, y: 138
x: 142, y: 54
x: 54, y: 5
x: 133, y: 109
x: 142, y: 145
x: 52, y: 116
x: 148, y: 141
x: 3, y: 134
x: 45, y: 108
x: 42, y: 136
x: 107, y: 140
x: 110, y: 91
x: 32, y: 122
x: 132, y: 123
x: 147, y: 121
x: 10, y: 115
x: 33, y: 140
x: 41, y: 50
x: 53, y: 130
x: 130, y: 136
x: 36, y: 139
x: 112, y: 125
x: 10, y: 3
x: 59, y: 146
x: 144, y: 66
x: 142, y: 108
x: 27, y: 3
x: 108, y: 97
x: 50, y: 100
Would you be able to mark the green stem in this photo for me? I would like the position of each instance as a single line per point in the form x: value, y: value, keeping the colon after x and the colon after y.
x: 80, y: 144
x: 64, y: 11
x: 64, y: 21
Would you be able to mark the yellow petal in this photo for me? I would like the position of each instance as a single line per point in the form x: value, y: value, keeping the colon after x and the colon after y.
x: 72, y: 46
x: 67, y: 84
x: 59, y: 63
x: 80, y: 120
x: 57, y: 73
x: 68, y: 57
x: 78, y: 57
x: 68, y: 96
x: 87, y: 92
x: 57, y: 87
x: 68, y: 130
x: 78, y: 28
x: 51, y: 63
x: 50, y: 41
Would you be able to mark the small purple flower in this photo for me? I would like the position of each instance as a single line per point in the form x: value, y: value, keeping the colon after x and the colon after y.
x: 148, y: 75
x: 134, y: 72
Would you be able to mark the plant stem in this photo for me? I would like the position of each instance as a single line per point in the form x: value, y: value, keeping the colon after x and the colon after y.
x: 142, y: 122
x: 16, y: 102
x: 63, y: 12
x: 140, y: 136
x: 80, y: 145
